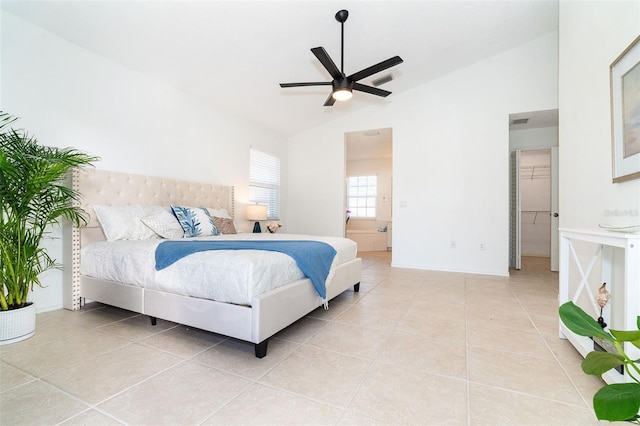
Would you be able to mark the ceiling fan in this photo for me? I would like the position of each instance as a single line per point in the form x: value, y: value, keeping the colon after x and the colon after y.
x: 342, y: 84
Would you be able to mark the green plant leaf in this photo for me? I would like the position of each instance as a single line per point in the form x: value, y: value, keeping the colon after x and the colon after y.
x: 598, y: 363
x: 617, y: 402
x: 580, y: 323
x: 626, y: 336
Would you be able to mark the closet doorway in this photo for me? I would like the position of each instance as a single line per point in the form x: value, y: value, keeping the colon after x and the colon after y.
x: 534, y: 216
x: 368, y: 188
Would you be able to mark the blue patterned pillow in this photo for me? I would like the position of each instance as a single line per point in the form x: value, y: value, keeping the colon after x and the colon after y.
x: 195, y: 221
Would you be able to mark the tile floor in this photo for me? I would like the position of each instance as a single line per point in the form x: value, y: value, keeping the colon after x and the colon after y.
x: 413, y: 347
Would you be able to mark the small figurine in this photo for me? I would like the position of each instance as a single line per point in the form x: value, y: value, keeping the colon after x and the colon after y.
x: 602, y: 298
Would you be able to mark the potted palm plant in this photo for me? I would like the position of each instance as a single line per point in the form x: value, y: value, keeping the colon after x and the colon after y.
x: 613, y: 402
x: 33, y: 198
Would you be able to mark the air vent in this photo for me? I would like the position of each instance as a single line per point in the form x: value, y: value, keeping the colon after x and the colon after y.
x: 520, y: 121
x: 371, y: 133
x: 382, y: 80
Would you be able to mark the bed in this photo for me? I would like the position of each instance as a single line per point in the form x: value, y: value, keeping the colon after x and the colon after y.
x: 286, y: 298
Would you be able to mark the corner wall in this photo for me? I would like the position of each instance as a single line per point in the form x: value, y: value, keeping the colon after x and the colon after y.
x: 592, y: 35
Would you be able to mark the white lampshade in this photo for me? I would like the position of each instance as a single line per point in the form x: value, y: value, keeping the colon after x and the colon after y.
x: 342, y: 94
x: 256, y: 212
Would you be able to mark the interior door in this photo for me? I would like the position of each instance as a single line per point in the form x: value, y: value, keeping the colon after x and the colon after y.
x: 515, y: 257
x: 555, y: 216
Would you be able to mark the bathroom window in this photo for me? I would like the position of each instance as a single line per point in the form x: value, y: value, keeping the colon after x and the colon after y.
x: 362, y: 195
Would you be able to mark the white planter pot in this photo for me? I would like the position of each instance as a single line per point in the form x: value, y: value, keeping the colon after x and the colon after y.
x: 17, y: 324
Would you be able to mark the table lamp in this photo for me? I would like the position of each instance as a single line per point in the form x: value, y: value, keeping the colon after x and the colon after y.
x: 256, y: 212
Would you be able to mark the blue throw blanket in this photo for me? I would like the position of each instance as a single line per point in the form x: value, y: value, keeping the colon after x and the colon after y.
x: 314, y: 258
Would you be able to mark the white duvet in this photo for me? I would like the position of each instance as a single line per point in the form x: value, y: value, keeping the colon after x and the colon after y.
x: 231, y: 276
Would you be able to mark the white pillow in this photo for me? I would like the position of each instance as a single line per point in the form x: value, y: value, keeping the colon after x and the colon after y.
x: 195, y: 221
x: 164, y: 224
x: 123, y: 222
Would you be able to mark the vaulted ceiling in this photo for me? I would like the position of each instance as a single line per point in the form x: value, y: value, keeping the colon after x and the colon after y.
x: 233, y: 54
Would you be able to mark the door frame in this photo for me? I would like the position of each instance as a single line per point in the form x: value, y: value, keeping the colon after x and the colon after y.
x: 537, y: 120
x: 555, y: 208
x: 515, y: 237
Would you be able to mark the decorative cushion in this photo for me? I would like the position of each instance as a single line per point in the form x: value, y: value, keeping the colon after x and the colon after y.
x: 195, y: 221
x: 123, y: 222
x: 164, y: 224
x: 225, y: 225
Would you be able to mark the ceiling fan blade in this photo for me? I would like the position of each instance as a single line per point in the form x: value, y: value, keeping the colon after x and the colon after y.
x: 330, y: 100
x: 326, y: 61
x: 372, y: 90
x: 391, y: 62
x: 318, y: 83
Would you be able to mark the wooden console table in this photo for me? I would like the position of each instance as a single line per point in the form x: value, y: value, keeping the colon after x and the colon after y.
x: 619, y: 257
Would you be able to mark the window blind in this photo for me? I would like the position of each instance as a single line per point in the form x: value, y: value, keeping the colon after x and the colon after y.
x: 264, y: 182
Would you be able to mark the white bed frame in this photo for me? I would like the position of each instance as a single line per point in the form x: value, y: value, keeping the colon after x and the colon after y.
x: 269, y: 312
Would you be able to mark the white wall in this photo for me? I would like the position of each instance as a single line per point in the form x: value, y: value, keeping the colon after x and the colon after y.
x: 542, y: 138
x: 68, y: 96
x: 450, y: 161
x: 592, y: 35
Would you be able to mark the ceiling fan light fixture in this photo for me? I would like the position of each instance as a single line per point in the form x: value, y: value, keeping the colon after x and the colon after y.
x: 342, y: 95
x: 342, y: 89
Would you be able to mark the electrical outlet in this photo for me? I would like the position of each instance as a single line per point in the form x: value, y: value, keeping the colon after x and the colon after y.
x: 482, y: 246
x: 452, y: 244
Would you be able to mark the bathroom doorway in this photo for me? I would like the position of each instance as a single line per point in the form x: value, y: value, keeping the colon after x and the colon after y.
x: 368, y: 188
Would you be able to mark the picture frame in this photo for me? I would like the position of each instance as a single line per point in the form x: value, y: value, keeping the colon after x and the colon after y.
x: 625, y: 113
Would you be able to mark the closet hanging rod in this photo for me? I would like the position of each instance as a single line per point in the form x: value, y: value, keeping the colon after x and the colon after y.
x: 536, y: 212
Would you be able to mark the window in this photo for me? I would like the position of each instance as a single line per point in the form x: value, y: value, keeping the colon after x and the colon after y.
x: 264, y: 182
x: 361, y: 196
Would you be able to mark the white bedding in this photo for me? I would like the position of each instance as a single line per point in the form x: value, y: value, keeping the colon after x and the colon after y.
x: 228, y: 276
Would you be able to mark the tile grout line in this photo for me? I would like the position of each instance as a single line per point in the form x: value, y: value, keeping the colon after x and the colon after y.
x: 555, y: 358
x: 467, y: 354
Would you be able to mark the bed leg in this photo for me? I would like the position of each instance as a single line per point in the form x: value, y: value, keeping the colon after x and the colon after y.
x: 356, y: 287
x: 261, y: 348
x: 153, y: 320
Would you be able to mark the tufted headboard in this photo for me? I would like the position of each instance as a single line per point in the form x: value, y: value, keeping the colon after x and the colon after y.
x: 115, y: 188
